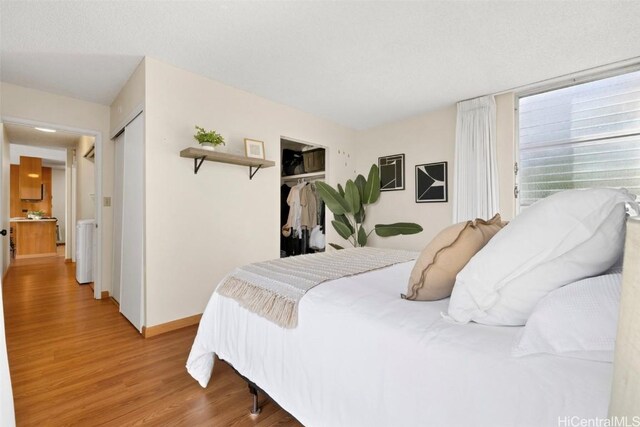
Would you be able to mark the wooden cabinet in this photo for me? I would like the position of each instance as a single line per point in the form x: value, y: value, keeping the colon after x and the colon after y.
x: 30, y: 180
x: 18, y: 207
x: 34, y: 238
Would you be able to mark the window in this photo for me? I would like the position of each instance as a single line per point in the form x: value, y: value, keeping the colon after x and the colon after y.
x: 582, y: 136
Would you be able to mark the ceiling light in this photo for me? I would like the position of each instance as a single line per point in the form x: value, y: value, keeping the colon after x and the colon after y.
x: 33, y: 175
x: 46, y: 130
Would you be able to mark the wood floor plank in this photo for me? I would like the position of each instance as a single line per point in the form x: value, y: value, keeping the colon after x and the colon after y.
x: 75, y: 360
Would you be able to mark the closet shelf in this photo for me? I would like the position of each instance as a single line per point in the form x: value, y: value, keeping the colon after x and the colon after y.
x: 199, y: 156
x: 319, y: 174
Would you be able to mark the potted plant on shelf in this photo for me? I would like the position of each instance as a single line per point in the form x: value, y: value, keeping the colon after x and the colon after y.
x: 208, y: 140
x: 35, y: 214
x: 348, y: 207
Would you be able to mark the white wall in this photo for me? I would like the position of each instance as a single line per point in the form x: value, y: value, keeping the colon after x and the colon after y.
x: 18, y: 150
x: 59, y: 201
x: 6, y: 198
x: 30, y: 104
x: 6, y: 396
x: 199, y: 227
x: 85, y: 202
x: 7, y: 418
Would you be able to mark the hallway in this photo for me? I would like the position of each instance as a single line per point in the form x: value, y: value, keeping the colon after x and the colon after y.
x: 75, y: 360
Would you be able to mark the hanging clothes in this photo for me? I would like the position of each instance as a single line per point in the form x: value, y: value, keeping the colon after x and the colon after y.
x: 308, y: 209
x: 293, y: 219
x: 319, y: 206
x: 302, y: 210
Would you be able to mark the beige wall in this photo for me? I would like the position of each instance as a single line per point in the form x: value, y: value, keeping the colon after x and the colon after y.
x: 58, y: 199
x: 199, y: 227
x: 430, y: 138
x: 85, y: 202
x: 69, y: 189
x: 129, y: 100
x: 505, y: 142
x: 30, y: 104
x: 427, y: 138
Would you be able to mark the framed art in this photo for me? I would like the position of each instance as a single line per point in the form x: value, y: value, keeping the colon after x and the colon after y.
x: 431, y: 183
x: 254, y: 148
x: 391, y: 172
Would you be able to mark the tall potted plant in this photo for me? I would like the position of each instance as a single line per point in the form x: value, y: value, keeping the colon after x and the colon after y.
x: 348, y: 206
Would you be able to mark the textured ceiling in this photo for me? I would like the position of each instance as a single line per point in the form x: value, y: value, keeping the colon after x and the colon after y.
x: 357, y: 63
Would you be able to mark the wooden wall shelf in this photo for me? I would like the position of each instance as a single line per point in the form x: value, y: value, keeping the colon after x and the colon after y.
x: 199, y: 156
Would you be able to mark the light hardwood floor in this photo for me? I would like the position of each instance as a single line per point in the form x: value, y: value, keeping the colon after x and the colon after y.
x: 75, y: 360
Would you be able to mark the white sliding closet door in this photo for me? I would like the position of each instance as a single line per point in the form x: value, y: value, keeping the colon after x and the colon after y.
x: 132, y: 224
x: 117, y: 215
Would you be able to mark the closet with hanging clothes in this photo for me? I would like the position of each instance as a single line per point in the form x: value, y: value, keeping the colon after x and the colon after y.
x: 302, y: 211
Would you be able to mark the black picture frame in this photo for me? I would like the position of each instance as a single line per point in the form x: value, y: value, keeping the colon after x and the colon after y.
x: 391, y: 172
x: 432, y: 183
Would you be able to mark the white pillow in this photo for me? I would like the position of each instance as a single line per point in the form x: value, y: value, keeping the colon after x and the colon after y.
x: 578, y: 320
x: 560, y: 239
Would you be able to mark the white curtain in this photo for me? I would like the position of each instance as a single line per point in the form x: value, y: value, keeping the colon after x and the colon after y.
x: 476, y: 171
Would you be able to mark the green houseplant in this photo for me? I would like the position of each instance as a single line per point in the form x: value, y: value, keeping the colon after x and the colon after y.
x: 208, y: 139
x: 35, y: 214
x: 348, y: 207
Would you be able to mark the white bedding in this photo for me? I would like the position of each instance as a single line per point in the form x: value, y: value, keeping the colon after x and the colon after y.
x: 362, y: 356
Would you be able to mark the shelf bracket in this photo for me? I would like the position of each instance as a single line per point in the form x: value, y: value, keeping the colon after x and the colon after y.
x: 196, y: 164
x: 253, y: 172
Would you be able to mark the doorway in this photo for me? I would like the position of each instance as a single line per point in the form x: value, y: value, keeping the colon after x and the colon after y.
x: 302, y: 211
x: 70, y: 170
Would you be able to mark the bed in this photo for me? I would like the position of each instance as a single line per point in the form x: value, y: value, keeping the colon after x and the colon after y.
x: 349, y: 351
x: 361, y: 356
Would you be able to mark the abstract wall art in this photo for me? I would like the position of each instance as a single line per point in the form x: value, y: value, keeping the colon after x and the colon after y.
x: 431, y: 182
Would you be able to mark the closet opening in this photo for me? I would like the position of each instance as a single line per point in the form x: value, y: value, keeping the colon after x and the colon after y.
x: 302, y: 211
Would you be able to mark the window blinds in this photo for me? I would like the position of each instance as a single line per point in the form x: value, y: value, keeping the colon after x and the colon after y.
x: 582, y: 136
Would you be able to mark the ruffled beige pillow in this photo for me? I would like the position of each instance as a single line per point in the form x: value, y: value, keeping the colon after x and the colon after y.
x: 435, y: 270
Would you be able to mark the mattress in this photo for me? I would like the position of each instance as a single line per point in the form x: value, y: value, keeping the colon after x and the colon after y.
x: 362, y: 356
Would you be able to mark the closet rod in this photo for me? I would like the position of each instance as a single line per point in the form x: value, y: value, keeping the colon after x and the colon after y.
x: 306, y: 176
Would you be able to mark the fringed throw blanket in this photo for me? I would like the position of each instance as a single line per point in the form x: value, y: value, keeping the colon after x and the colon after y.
x: 272, y: 289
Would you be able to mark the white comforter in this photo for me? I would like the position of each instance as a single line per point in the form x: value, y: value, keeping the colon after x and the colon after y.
x: 361, y: 356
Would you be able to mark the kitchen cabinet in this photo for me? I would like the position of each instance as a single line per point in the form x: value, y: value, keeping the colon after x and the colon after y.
x: 34, y: 238
x: 30, y: 180
x: 18, y: 207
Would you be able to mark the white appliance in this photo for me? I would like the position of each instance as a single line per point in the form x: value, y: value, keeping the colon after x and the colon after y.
x: 85, y: 248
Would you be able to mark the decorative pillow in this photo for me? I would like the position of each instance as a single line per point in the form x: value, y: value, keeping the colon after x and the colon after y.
x: 435, y: 270
x: 560, y: 239
x: 578, y: 320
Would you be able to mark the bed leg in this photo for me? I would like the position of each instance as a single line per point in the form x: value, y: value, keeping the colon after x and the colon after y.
x: 255, y: 409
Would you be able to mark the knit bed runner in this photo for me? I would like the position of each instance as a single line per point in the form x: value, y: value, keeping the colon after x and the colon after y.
x: 273, y: 289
